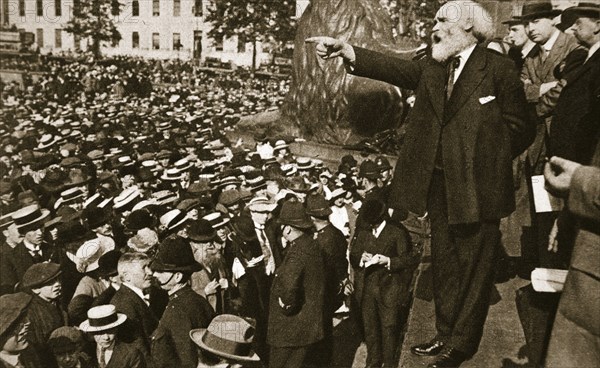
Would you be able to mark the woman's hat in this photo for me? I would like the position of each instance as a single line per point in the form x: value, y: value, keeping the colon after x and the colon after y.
x: 201, y: 231
x: 337, y: 192
x: 280, y: 144
x: 317, y: 206
x: 102, y: 318
x: 227, y: 336
x: 30, y: 216
x: 538, y: 9
x: 294, y: 214
x: 216, y: 220
x: 175, y: 255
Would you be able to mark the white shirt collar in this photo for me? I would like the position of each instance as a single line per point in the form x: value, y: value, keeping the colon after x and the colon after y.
x: 10, y: 358
x: 138, y: 291
x: 592, y: 50
x: 379, y: 229
x: 30, y: 247
x: 527, y: 47
x: 550, y: 43
x: 464, y: 57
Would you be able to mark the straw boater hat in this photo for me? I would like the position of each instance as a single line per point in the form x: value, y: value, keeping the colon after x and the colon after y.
x: 172, y: 175
x: 280, y: 144
x: 173, y: 219
x: 229, y: 337
x: 216, y: 219
x: 183, y: 164
x: 102, y: 318
x: 261, y: 204
x: 29, y: 216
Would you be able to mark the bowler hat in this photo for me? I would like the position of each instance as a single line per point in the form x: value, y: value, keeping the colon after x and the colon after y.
x: 293, y: 214
x: 96, y: 217
x: 317, y: 206
x: 40, y: 274
x: 201, y: 231
x: 373, y: 212
x: 140, y: 219
x: 102, y: 318
x: 229, y: 337
x: 583, y: 9
x: 369, y: 169
x: 107, y: 264
x: 538, y: 9
x: 13, y: 307
x: 175, y: 255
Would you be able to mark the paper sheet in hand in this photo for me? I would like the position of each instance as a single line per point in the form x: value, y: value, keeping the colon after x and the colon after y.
x: 548, y: 280
x: 371, y: 262
x: 543, y: 201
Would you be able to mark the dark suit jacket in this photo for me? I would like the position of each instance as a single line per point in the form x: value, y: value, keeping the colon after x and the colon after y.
x: 333, y: 245
x: 300, y: 283
x: 45, y: 317
x: 15, y: 262
x: 391, y: 285
x: 126, y: 356
x: 171, y: 343
x: 478, y: 139
x: 28, y: 358
x: 141, y: 321
x: 576, y: 123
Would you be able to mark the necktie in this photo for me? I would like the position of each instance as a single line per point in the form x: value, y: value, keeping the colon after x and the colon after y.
x: 452, y: 66
x: 37, y: 255
x: 102, y: 358
x: 262, y: 238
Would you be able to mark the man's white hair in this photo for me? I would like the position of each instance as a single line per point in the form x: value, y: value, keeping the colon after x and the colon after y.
x: 471, y: 12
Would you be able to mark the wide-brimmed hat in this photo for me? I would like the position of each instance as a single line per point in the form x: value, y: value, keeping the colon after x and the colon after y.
x: 216, y: 219
x: 538, y: 9
x: 317, y: 206
x: 87, y: 256
x: 30, y: 216
x: 229, y: 337
x: 175, y: 255
x: 201, y: 231
x: 280, y: 144
x: 14, y: 308
x: 586, y: 9
x: 40, y: 274
x: 102, y: 318
x: 294, y: 214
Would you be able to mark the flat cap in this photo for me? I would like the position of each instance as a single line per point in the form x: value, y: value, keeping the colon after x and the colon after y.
x: 40, y: 274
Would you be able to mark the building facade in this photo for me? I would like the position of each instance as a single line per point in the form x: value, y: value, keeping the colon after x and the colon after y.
x: 162, y: 29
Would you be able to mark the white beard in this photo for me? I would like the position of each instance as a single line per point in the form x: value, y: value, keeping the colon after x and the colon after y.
x: 452, y: 42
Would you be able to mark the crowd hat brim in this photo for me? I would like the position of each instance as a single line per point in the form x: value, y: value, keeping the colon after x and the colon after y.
x: 539, y: 9
x: 106, y: 319
x: 40, y: 274
x: 29, y: 216
x: 583, y: 9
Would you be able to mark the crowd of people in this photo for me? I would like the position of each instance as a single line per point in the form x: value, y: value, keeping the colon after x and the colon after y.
x: 137, y: 233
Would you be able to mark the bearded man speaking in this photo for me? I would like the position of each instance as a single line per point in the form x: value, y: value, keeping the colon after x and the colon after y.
x: 468, y: 122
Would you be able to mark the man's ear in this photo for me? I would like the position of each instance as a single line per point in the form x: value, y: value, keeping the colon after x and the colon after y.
x: 178, y: 276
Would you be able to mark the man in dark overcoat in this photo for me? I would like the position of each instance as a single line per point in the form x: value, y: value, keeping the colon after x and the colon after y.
x: 297, y: 293
x: 468, y: 122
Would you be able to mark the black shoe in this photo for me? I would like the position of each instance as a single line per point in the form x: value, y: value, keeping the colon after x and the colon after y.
x: 431, y: 348
x: 450, y: 358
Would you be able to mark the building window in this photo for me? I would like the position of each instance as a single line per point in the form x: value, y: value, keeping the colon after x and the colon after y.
x: 135, y: 40
x: 155, y: 41
x: 39, y: 5
x: 197, y: 8
x: 135, y: 8
x: 115, y: 7
x: 155, y: 8
x: 58, y: 38
x: 176, y: 8
x: 39, y: 37
x: 21, y: 8
x: 57, y: 8
x: 219, y: 44
x: 177, y: 41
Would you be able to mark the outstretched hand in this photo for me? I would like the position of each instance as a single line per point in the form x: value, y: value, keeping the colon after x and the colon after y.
x: 329, y: 48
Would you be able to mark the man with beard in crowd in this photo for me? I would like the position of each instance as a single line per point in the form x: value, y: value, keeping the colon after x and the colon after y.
x: 468, y: 122
x: 211, y: 281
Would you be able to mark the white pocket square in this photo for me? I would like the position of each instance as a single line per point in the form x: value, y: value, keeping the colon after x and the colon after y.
x: 484, y: 100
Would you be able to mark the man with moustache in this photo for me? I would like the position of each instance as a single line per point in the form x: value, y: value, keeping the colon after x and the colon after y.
x: 133, y: 300
x: 468, y: 122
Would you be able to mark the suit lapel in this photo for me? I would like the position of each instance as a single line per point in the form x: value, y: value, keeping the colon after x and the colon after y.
x: 470, y: 78
x: 582, y: 70
x: 555, y: 56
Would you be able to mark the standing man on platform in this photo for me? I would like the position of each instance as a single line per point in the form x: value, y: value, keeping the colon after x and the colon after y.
x: 468, y: 122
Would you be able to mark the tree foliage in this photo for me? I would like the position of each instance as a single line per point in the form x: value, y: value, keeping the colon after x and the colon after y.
x: 412, y: 19
x: 252, y: 21
x: 94, y: 20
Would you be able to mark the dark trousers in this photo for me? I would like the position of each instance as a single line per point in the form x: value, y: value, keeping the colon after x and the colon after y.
x: 380, y: 325
x: 463, y: 266
x: 290, y: 357
x: 254, y: 289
